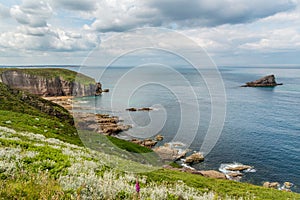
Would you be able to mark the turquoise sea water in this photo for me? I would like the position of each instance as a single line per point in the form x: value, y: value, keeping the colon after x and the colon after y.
x: 262, y: 125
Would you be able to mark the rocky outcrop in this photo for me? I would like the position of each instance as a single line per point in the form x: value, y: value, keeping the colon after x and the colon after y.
x: 194, y: 158
x: 98, y: 90
x: 213, y: 174
x: 208, y: 173
x: 166, y: 153
x: 169, y: 152
x: 159, y: 137
x: 267, y: 81
x: 100, y: 123
x: 239, y: 168
x: 131, y: 109
x: 139, y: 109
x: 49, y: 82
x: 146, y: 143
x: 274, y: 185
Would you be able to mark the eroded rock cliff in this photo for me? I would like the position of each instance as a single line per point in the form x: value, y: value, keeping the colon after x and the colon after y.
x: 49, y: 82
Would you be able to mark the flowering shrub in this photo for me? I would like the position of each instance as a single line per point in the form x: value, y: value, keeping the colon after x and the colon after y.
x: 68, y: 171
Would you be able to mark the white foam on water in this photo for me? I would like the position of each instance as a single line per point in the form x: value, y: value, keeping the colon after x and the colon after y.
x: 225, y: 166
x: 187, y: 166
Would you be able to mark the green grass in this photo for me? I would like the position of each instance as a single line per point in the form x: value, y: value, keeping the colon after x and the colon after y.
x: 128, y: 146
x: 40, y: 162
x: 42, y: 173
x: 31, y: 186
x: 118, y: 147
x: 222, y: 187
x: 25, y: 112
x: 66, y: 74
x: 49, y: 127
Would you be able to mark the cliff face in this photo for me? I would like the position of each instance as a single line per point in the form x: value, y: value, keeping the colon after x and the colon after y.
x: 47, y: 84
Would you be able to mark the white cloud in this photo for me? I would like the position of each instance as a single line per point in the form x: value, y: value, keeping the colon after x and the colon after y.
x: 279, y: 40
x: 232, y: 29
x: 124, y: 15
x: 48, y: 39
x: 32, y: 13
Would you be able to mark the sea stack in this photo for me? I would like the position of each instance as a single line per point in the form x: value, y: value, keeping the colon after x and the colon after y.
x: 267, y: 81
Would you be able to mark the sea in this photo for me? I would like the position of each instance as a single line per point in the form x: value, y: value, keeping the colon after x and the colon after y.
x: 261, y: 125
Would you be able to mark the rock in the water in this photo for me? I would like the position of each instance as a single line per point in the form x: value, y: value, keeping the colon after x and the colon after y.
x: 287, y: 185
x: 98, y: 89
x: 195, y: 158
x: 159, y: 137
x: 131, y: 109
x: 105, y: 90
x: 166, y: 152
x: 213, y: 174
x: 146, y: 143
x: 274, y: 185
x: 239, y: 168
x: 149, y: 143
x: 145, y: 109
x: 235, y: 174
x: 267, y: 81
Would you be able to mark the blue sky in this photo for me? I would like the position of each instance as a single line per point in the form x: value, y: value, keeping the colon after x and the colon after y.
x: 233, y: 33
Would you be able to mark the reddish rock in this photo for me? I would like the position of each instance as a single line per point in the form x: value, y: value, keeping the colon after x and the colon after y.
x: 213, y: 174
x: 195, y: 158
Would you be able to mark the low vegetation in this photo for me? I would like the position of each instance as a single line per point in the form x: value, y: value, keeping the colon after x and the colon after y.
x: 42, y: 157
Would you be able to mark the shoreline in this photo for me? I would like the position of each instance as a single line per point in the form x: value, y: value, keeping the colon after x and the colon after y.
x: 110, y: 125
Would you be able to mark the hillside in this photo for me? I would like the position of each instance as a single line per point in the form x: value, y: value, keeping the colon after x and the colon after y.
x: 41, y: 157
x: 26, y: 112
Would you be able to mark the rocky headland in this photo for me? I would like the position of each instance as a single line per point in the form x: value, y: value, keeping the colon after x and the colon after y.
x: 267, y: 81
x: 50, y: 82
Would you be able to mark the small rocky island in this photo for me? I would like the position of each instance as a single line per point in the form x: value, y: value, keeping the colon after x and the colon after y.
x: 267, y: 81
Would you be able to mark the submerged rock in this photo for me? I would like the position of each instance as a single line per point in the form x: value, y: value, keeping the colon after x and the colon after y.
x: 267, y: 81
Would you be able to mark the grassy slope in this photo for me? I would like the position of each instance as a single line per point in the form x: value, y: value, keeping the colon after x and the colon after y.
x: 57, y: 169
x: 25, y: 112
x: 222, y: 188
x: 21, y: 115
x: 67, y: 75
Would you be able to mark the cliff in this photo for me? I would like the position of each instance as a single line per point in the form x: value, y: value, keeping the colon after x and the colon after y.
x: 267, y: 81
x: 50, y: 82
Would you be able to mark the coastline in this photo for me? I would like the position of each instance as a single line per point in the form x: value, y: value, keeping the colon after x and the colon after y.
x: 111, y: 126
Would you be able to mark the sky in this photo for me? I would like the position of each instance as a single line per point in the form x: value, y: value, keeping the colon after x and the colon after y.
x: 232, y: 32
